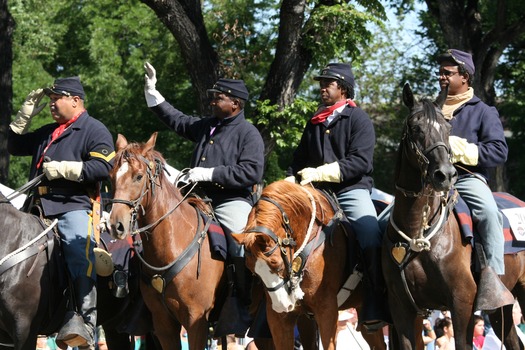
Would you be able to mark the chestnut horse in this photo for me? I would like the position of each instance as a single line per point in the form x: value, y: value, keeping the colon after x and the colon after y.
x: 181, y: 278
x: 426, y: 262
x: 296, y: 243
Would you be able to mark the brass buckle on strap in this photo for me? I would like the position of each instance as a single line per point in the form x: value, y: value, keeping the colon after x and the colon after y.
x: 42, y: 190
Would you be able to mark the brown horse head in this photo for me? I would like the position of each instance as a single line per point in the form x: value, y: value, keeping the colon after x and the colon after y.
x: 425, y: 145
x: 137, y: 171
x: 278, y: 226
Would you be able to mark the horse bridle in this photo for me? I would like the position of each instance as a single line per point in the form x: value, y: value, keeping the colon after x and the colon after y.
x: 297, y: 261
x: 422, y: 241
x: 421, y: 158
x: 153, y: 170
x: 284, y: 244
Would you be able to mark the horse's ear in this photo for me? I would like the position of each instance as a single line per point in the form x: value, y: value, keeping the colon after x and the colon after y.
x: 442, y: 97
x: 151, y: 142
x: 121, y: 143
x: 408, y: 96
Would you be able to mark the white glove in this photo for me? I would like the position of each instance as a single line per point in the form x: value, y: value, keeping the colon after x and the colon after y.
x: 29, y: 109
x: 327, y: 173
x: 65, y: 169
x: 197, y: 174
x: 153, y: 97
x: 104, y: 224
x: 463, y: 151
x: 290, y: 179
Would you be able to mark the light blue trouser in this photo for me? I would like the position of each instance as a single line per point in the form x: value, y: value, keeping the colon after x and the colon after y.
x: 77, y: 236
x: 233, y: 216
x: 486, y: 217
x: 359, y: 209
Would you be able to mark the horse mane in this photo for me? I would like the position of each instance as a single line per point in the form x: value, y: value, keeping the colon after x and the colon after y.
x: 295, y: 203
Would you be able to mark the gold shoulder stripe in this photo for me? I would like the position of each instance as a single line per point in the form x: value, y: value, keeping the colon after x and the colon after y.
x: 100, y: 155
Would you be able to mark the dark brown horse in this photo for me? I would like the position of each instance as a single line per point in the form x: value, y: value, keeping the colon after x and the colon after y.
x: 33, y: 285
x: 181, y: 277
x: 426, y: 262
x: 295, y: 242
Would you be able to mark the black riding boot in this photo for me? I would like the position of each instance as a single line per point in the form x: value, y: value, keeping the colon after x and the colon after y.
x: 492, y: 293
x: 79, y: 327
x: 375, y: 313
x: 235, y: 317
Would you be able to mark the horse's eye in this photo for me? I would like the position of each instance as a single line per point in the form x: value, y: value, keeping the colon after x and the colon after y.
x: 139, y: 177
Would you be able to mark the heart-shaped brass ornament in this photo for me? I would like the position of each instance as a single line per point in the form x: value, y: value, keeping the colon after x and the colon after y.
x: 158, y: 283
x: 399, y: 252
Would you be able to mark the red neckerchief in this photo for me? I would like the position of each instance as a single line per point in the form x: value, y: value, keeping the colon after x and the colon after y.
x: 324, y: 113
x: 56, y: 134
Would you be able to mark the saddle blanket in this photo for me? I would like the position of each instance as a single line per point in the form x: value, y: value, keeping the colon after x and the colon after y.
x: 217, y: 238
x: 513, y: 210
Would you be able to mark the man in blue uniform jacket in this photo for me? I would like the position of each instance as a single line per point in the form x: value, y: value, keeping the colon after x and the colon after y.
x: 227, y: 161
x: 477, y: 143
x: 74, y: 153
x: 336, y: 153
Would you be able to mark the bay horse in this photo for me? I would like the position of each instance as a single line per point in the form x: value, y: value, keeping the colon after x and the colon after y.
x: 34, y: 285
x: 181, y: 280
x: 427, y: 264
x: 296, y: 243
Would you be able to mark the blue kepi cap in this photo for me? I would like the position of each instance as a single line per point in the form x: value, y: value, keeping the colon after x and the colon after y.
x: 70, y: 86
x: 233, y: 87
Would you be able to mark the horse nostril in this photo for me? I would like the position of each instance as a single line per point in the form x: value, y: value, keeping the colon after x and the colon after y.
x: 119, y: 228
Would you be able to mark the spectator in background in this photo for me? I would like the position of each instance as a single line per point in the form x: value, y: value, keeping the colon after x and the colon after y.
x: 429, y: 335
x: 479, y: 332
x: 446, y: 340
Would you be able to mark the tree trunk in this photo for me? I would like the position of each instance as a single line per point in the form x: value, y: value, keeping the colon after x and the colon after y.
x: 185, y: 21
x: 6, y: 84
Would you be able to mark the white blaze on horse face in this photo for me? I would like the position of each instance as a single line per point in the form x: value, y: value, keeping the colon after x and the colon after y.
x: 281, y: 300
x: 122, y: 170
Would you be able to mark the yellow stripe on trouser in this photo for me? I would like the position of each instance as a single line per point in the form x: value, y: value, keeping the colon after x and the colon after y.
x: 88, y: 245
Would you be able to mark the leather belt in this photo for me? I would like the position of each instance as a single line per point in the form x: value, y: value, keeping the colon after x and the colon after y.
x: 43, y: 190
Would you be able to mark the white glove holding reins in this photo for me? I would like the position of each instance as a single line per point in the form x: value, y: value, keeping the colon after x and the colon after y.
x: 153, y: 97
x: 68, y: 170
x: 463, y: 151
x: 327, y: 173
x: 197, y: 174
x: 29, y: 109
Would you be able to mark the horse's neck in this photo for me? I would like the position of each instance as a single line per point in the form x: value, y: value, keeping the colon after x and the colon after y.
x: 411, y: 212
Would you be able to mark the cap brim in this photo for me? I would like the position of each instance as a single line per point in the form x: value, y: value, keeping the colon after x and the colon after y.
x: 49, y: 91
x: 319, y: 77
x: 214, y: 90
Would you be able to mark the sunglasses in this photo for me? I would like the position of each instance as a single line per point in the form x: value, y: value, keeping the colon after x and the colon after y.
x: 446, y: 73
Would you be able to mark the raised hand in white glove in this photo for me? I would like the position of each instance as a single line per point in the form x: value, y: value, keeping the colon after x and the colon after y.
x: 68, y: 170
x: 463, y: 151
x: 327, y: 173
x: 197, y: 174
x: 29, y: 109
x: 153, y: 97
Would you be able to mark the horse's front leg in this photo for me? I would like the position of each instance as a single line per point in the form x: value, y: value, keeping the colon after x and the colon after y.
x: 407, y: 325
x: 198, y: 334
x: 462, y: 315
x: 326, y: 317
x: 282, y: 328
